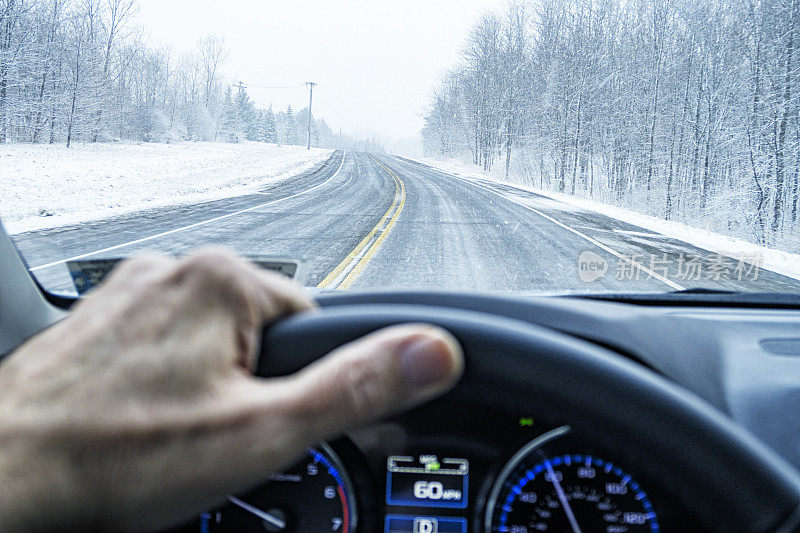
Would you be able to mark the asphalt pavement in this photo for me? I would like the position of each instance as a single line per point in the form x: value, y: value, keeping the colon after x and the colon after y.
x: 363, y: 221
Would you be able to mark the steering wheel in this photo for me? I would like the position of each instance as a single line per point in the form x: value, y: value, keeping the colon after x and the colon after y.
x: 725, y: 476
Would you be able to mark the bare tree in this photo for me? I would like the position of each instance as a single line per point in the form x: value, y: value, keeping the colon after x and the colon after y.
x: 676, y: 108
x: 213, y: 53
x: 118, y: 13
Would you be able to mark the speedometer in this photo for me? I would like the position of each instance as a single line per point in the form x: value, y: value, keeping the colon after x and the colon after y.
x: 573, y: 492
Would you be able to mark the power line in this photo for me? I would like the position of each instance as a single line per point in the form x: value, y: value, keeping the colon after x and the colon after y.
x: 277, y: 86
x: 298, y: 86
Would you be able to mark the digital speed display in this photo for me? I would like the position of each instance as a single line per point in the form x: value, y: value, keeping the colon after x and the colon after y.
x: 427, y: 481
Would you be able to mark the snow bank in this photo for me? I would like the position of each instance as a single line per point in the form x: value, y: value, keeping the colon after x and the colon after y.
x: 50, y: 185
x: 777, y: 261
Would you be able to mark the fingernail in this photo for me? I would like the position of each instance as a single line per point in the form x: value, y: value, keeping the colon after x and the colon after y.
x: 426, y: 361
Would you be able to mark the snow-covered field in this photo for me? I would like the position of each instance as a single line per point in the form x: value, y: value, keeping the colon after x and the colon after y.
x: 51, y: 185
x: 778, y: 261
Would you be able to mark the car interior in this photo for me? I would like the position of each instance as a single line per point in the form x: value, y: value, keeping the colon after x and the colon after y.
x: 652, y: 414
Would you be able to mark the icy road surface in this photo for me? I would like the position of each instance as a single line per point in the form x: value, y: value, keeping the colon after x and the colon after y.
x: 369, y: 221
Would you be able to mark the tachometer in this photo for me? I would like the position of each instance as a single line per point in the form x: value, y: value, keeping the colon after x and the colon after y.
x: 315, y: 495
x: 576, y: 492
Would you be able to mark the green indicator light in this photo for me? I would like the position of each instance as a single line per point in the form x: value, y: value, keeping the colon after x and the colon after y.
x: 432, y: 466
x: 523, y: 422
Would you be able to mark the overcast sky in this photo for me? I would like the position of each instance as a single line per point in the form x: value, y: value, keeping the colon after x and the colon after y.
x: 376, y: 61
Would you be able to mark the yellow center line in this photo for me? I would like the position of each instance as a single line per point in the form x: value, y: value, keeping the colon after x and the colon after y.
x: 357, y: 250
x: 396, y: 208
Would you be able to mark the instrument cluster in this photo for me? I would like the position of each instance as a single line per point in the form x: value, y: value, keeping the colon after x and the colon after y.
x: 487, y: 473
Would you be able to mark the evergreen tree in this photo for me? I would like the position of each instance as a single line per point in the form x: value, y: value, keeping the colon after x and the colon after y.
x: 302, y: 128
x: 247, y: 119
x: 229, y: 128
x: 268, y: 127
x: 290, y: 134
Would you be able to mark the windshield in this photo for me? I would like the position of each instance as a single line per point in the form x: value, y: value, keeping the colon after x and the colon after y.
x: 582, y: 146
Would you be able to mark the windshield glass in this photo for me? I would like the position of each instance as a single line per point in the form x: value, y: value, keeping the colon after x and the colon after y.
x: 546, y: 145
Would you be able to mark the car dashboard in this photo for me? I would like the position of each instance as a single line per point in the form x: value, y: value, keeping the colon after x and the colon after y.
x: 476, y: 470
x: 469, y: 462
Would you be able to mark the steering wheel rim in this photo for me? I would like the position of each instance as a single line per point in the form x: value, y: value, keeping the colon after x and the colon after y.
x: 727, y: 477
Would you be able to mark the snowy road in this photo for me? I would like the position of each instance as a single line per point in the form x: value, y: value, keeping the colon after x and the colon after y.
x: 364, y: 221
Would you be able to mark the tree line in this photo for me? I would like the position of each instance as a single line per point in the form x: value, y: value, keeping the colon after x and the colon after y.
x: 83, y: 70
x: 681, y: 109
x: 241, y: 120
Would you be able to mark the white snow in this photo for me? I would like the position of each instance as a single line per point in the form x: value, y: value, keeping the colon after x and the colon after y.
x: 777, y: 261
x: 45, y: 186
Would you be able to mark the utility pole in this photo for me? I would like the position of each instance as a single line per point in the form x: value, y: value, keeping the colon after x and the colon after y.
x: 310, y: 99
x: 241, y: 86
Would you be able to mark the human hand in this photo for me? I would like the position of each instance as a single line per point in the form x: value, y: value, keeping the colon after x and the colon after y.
x: 140, y: 409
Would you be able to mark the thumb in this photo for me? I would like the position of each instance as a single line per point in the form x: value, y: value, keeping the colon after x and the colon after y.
x: 388, y: 371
